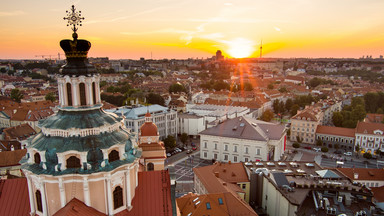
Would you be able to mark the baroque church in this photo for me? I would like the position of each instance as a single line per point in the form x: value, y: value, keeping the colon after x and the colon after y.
x: 84, y: 161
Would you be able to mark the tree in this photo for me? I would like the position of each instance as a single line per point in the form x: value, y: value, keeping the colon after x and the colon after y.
x: 296, y: 145
x: 170, y: 142
x: 267, y: 115
x: 281, y: 107
x: 337, y: 146
x: 324, y: 149
x: 270, y: 86
x: 294, y: 109
x: 337, y: 119
x: 184, y: 138
x: 103, y: 83
x: 367, y: 155
x: 153, y: 98
x: 248, y: 86
x: 288, y: 104
x: 299, y: 139
x: 380, y: 111
x: 357, y: 148
x: 16, y: 95
x: 358, y: 113
x: 378, y: 152
x: 50, y: 96
x: 319, y: 142
x: 276, y: 107
x: 177, y: 88
x: 283, y: 89
x: 371, y: 101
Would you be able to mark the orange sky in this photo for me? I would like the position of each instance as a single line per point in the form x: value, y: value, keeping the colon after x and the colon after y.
x: 196, y: 29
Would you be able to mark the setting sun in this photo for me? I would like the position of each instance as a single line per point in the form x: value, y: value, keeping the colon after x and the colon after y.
x: 240, y: 48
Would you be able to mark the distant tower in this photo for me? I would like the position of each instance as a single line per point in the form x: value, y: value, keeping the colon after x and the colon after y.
x: 261, y: 49
x: 219, y: 55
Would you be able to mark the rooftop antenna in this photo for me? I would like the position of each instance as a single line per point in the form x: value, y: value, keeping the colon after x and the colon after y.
x: 261, y: 49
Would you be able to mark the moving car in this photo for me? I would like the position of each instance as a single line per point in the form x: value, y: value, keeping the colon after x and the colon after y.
x: 189, y: 151
x: 348, y: 153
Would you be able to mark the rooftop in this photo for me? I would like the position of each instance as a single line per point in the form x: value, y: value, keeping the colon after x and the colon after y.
x: 338, y: 131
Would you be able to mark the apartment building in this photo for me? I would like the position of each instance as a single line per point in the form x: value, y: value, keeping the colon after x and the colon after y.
x: 304, y: 124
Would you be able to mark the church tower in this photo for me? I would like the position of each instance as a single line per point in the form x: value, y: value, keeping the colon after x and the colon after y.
x: 82, y: 152
x: 153, y: 151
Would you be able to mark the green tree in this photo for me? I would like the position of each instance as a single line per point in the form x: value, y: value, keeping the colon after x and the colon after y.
x: 371, y: 102
x: 50, y: 96
x: 111, y: 89
x: 267, y: 115
x: 283, y: 89
x: 367, y: 155
x: 276, y: 106
x: 270, y: 86
x: 170, y: 142
x: 288, y: 104
x: 103, y: 83
x: 281, y: 107
x: 184, y: 138
x: 337, y: 119
x: 324, y: 149
x: 380, y: 111
x: 296, y: 145
x: 358, y: 113
x: 153, y: 98
x: 248, y: 86
x: 294, y: 109
x: 319, y: 142
x: 16, y: 95
x: 357, y: 148
x: 337, y: 146
x: 177, y: 88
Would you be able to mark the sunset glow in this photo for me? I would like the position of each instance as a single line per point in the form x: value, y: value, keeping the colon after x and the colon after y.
x: 196, y: 29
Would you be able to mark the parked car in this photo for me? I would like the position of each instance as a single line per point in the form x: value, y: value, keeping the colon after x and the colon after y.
x: 348, y: 153
x: 317, y: 149
x: 308, y: 147
x: 169, y: 155
x: 189, y: 151
x: 194, y: 148
x: 337, y: 152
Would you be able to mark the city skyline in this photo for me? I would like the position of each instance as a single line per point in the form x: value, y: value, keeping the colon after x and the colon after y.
x: 196, y: 29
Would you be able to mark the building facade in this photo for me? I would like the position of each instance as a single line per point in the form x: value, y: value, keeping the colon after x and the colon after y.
x: 369, y: 137
x: 304, y: 124
x: 243, y: 139
x: 344, y: 137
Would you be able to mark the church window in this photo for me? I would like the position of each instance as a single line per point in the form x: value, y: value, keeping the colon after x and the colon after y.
x: 73, y: 162
x: 37, y: 158
x: 94, y: 92
x: 69, y: 94
x: 38, y: 201
x: 83, y: 101
x: 117, y: 197
x: 150, y: 167
x: 113, y: 156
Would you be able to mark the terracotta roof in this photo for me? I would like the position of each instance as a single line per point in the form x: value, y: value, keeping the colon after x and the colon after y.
x: 6, y: 145
x: 14, y: 198
x: 198, y: 205
x: 339, y: 131
x: 226, y: 172
x: 309, y: 114
x: 368, y: 128
x: 148, y: 129
x: 76, y: 207
x: 151, y: 146
x: 20, y: 115
x: 19, y: 132
x: 11, y: 158
x: 374, y: 118
x: 152, y: 195
x: 378, y: 193
x: 364, y: 173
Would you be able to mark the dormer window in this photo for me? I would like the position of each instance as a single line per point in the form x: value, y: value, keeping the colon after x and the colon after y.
x: 73, y: 162
x: 113, y: 156
x: 37, y: 158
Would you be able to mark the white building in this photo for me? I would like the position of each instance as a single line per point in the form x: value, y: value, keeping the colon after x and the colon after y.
x: 191, y: 124
x: 164, y: 118
x: 369, y: 136
x: 243, y: 139
x: 304, y: 124
x: 217, y: 112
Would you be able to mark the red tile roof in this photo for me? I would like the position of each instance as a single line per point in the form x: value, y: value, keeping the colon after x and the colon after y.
x: 76, y: 207
x: 197, y: 205
x: 152, y: 195
x: 19, y: 132
x: 11, y: 158
x: 14, y: 198
x: 368, y: 128
x: 339, y: 131
x: 364, y: 173
x: 378, y: 193
x: 374, y: 118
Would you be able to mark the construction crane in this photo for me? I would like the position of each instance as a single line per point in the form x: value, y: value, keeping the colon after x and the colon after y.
x: 49, y: 57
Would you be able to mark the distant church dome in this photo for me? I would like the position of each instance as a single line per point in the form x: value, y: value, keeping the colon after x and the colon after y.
x: 148, y: 128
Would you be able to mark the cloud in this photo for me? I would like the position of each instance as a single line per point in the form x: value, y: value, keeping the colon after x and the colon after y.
x: 11, y: 13
x: 277, y: 29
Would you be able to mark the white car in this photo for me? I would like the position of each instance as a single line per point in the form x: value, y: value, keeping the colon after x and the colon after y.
x: 348, y: 153
x: 317, y: 149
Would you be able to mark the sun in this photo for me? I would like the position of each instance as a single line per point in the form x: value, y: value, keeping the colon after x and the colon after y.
x: 240, y: 48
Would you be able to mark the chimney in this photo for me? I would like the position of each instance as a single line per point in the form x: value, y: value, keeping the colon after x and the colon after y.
x: 217, y: 174
x: 355, y: 175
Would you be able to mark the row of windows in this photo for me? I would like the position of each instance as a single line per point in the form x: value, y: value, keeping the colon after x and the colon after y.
x: 74, y: 162
x: 246, y: 148
x: 83, y: 101
x: 336, y: 139
x: 226, y: 157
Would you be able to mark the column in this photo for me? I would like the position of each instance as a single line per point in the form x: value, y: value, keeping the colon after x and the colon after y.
x: 87, y: 198
x: 62, y: 193
x: 89, y: 93
x: 31, y: 196
x: 128, y: 187
x: 136, y: 174
x: 97, y: 85
x: 75, y: 91
x: 109, y: 195
x: 43, y: 198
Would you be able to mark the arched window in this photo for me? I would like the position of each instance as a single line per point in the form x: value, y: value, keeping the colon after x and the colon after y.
x: 94, y: 92
x: 38, y: 201
x: 117, y: 197
x: 83, y: 100
x: 69, y: 94
x: 37, y: 158
x: 150, y: 167
x: 73, y: 162
x: 113, y: 156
